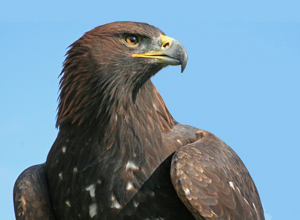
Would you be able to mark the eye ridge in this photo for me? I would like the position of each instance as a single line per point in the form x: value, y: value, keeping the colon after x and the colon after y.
x: 131, y: 39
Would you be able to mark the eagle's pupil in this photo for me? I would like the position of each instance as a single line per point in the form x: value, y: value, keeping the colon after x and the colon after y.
x: 132, y: 39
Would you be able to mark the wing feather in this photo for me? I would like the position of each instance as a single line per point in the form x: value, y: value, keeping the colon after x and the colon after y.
x: 212, y: 181
x: 31, y: 197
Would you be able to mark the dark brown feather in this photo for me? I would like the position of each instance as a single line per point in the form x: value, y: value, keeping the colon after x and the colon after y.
x: 31, y: 196
x: 202, y: 174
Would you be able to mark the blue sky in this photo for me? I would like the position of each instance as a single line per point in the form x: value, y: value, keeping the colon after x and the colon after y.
x: 241, y: 82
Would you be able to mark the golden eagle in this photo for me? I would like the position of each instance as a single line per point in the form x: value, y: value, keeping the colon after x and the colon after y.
x: 119, y: 153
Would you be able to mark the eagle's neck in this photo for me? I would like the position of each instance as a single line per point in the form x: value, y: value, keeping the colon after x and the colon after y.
x: 144, y: 109
x: 88, y: 108
x: 136, y: 127
x: 118, y: 120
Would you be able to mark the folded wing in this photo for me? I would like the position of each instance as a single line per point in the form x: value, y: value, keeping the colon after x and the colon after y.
x: 212, y: 181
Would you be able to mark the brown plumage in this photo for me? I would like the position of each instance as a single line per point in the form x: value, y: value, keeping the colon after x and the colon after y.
x: 119, y: 153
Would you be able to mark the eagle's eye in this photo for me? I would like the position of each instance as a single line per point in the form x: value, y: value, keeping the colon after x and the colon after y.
x: 131, y: 39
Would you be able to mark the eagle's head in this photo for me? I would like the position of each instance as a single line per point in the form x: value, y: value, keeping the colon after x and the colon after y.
x: 110, y: 64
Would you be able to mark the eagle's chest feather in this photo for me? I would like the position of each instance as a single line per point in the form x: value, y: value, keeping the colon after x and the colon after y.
x: 107, y: 173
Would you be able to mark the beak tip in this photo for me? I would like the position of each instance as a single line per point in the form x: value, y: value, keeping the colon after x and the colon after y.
x: 182, y: 69
x: 184, y: 63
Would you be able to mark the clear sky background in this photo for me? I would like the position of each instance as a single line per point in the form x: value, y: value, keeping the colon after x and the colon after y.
x: 241, y: 82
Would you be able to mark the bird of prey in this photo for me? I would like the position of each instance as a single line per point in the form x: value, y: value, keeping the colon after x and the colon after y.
x: 119, y: 153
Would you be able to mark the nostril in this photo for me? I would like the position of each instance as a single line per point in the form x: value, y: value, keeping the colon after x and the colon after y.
x: 165, y: 45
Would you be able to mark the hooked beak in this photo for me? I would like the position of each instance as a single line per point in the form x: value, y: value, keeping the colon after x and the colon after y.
x: 172, y: 53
